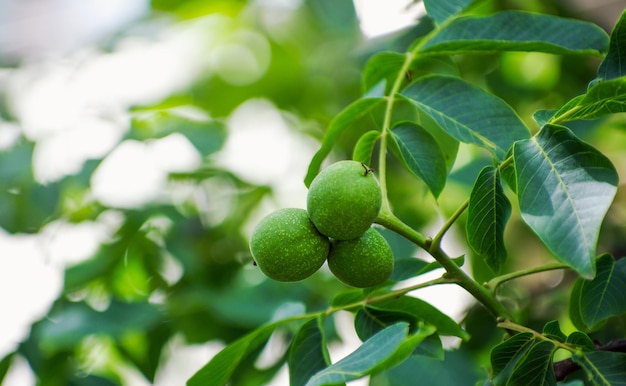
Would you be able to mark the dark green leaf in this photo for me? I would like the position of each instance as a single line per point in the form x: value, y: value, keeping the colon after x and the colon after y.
x: 509, y: 351
x: 408, y: 267
x: 365, y: 146
x: 221, y: 367
x: 421, y: 154
x: 488, y: 212
x: 564, y: 188
x: 553, y: 331
x: 604, y: 296
x: 535, y: 367
x: 382, y: 351
x: 348, y: 297
x: 306, y: 353
x: 519, y: 31
x: 440, y: 11
x: 431, y: 347
x: 462, y: 110
x: 603, y: 368
x: 614, y: 63
x: 604, y: 98
x: 337, y: 126
x: 421, y: 310
x: 5, y: 364
x: 368, y: 322
x: 543, y: 116
x: 580, y: 339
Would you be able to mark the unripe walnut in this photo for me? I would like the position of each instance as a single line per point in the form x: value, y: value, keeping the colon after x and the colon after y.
x: 362, y: 262
x: 287, y: 247
x: 344, y: 200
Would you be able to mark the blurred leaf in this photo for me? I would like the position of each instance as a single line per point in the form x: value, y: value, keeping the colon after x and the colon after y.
x: 605, y: 98
x: 306, y: 353
x: 543, y: 116
x: 603, y: 297
x: 5, y: 365
x: 424, y: 311
x: 382, y: 351
x: 518, y: 31
x: 421, y: 154
x: 552, y: 330
x: 384, y: 66
x: 535, y: 367
x: 603, y: 368
x: 365, y: 147
x: 614, y: 63
x: 221, y: 367
x: 488, y: 212
x: 69, y: 323
x: 564, y: 188
x: 347, y: 297
x: 582, y: 340
x: 207, y: 136
x: 407, y: 267
x: 440, y: 11
x: 431, y: 347
x: 368, y: 321
x: 337, y: 126
x: 462, y: 110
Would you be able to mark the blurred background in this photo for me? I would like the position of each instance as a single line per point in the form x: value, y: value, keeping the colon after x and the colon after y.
x: 141, y: 141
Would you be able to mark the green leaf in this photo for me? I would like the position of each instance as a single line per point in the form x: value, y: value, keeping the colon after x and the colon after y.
x: 220, y: 368
x: 421, y: 310
x: 384, y: 350
x: 580, y: 339
x: 306, y: 353
x: 535, y: 367
x: 602, y: 297
x: 487, y: 215
x: 509, y: 351
x: 564, y: 188
x: 614, y: 63
x: 553, y: 331
x: 421, y: 154
x: 368, y: 321
x: 348, y: 297
x: 604, y: 98
x: 207, y: 136
x: 337, y: 126
x: 462, y: 110
x: 519, y: 31
x: 603, y: 368
x: 440, y: 11
x: 365, y: 146
x: 383, y: 66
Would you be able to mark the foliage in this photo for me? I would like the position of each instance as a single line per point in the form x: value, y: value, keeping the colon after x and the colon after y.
x: 446, y: 139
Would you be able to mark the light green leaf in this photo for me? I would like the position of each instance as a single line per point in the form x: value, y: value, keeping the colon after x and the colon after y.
x: 564, y: 188
x: 602, y: 297
x: 306, y: 353
x: 462, y: 110
x: 365, y: 146
x: 421, y: 154
x: 604, y: 98
x: 382, y: 67
x: 220, y: 368
x: 614, y: 63
x: 519, y: 31
x: 535, y: 367
x: 384, y: 350
x: 440, y: 11
x: 487, y: 215
x: 337, y: 126
x: 421, y: 310
x: 603, y: 368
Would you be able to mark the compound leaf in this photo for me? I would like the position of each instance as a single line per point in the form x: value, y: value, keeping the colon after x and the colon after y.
x: 487, y: 215
x: 603, y: 297
x: 462, y: 110
x: 421, y: 154
x: 564, y: 188
x: 519, y: 31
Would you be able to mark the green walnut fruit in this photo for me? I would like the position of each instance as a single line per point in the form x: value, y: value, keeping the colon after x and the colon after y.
x: 362, y: 262
x: 344, y: 200
x: 287, y: 247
